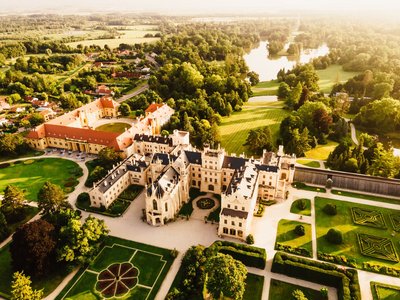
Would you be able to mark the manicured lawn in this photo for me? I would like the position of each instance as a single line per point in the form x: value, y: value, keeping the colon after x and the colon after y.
x: 309, y: 163
x: 303, y: 186
x: 234, y: 129
x: 286, y: 235
x: 30, y: 175
x: 152, y: 263
x: 113, y: 127
x: 280, y: 290
x: 48, y: 283
x: 382, y: 291
x: 357, y: 221
x: 28, y: 154
x: 365, y: 196
x: 321, y: 152
x: 254, y: 287
x: 265, y: 88
x: 332, y: 75
x: 305, y: 212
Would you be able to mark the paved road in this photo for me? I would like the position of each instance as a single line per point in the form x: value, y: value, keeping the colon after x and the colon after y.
x: 133, y: 94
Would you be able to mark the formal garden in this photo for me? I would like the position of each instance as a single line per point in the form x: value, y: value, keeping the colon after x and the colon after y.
x: 123, y: 269
x: 301, y: 207
x: 382, y: 291
x: 357, y: 235
x: 294, y: 237
x: 284, y: 290
x: 30, y: 175
x: 117, y: 208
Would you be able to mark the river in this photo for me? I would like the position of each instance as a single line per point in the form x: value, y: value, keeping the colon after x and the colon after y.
x: 267, y: 67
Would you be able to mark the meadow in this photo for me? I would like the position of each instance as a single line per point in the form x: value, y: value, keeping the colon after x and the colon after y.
x: 332, y: 75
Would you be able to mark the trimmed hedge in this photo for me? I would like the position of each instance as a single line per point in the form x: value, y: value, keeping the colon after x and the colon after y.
x: 344, y: 280
x: 249, y: 255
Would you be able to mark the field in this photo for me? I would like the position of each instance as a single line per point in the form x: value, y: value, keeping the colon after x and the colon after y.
x: 265, y: 88
x: 370, y: 233
x: 113, y: 127
x: 30, y: 175
x: 48, y: 283
x: 130, y: 35
x: 280, y: 290
x: 287, y: 237
x: 309, y: 163
x: 123, y: 269
x: 234, y: 129
x: 321, y: 152
x: 365, y: 196
x: 331, y: 75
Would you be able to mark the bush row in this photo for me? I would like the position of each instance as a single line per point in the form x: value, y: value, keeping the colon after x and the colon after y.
x: 249, y: 255
x: 293, y: 250
x: 344, y: 280
x: 390, y: 271
x: 337, y: 259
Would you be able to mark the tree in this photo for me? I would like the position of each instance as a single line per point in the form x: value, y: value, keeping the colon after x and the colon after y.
x: 33, y: 247
x: 4, y: 231
x: 330, y: 209
x: 21, y: 288
x: 12, y: 144
x: 382, y: 90
x: 69, y: 101
x: 283, y: 91
x: 299, y: 142
x: 254, y: 78
x: 13, y: 200
x: 36, y: 119
x: 165, y: 133
x: 294, y: 96
x: 259, y: 139
x: 51, y: 198
x: 225, y: 277
x: 321, y: 121
x: 299, y: 230
x: 79, y: 243
x: 107, y: 157
x: 298, y: 295
x: 250, y: 239
x: 334, y: 236
x: 124, y: 109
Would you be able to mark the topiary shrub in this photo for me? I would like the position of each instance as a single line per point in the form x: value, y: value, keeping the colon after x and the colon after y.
x: 299, y: 230
x: 334, y: 236
x: 250, y: 239
x: 298, y: 295
x: 301, y: 204
x: 330, y: 209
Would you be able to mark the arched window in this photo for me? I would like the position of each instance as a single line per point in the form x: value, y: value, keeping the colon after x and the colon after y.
x: 155, y: 205
x: 166, y: 206
x: 283, y: 176
x: 210, y: 187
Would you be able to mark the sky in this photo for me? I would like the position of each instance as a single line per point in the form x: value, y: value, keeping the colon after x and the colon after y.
x: 176, y: 7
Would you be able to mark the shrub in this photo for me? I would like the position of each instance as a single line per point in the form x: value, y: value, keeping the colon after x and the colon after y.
x: 69, y: 183
x: 83, y: 200
x: 174, y: 253
x: 301, y: 204
x: 330, y: 209
x: 299, y: 230
x: 250, y: 239
x: 298, y: 295
x: 334, y: 236
x: 324, y: 292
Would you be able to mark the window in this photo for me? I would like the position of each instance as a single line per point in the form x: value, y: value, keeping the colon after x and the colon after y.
x: 242, y: 207
x: 232, y: 232
x: 229, y: 206
x: 235, y: 206
x: 240, y: 224
x: 233, y: 223
x: 155, y: 205
x: 225, y: 230
x: 166, y: 206
x: 240, y: 233
x: 225, y: 221
x: 210, y: 187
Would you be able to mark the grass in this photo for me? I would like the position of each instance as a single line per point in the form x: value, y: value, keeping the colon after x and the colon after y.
x: 113, y: 127
x: 332, y: 75
x: 235, y: 129
x: 321, y: 152
x: 365, y: 196
x: 30, y: 175
x: 48, y: 283
x: 343, y: 221
x: 303, y: 186
x: 280, y: 290
x: 382, y: 291
x: 305, y: 212
x: 254, y: 287
x: 153, y: 264
x: 265, y: 88
x: 30, y: 153
x: 286, y: 235
x: 309, y: 163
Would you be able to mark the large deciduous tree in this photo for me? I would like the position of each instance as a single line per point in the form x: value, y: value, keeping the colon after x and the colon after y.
x: 225, y: 277
x: 13, y: 200
x: 21, y: 288
x: 260, y: 139
x: 33, y: 247
x: 51, y: 198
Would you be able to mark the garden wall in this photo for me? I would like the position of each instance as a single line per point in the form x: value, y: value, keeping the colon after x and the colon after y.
x: 349, y: 181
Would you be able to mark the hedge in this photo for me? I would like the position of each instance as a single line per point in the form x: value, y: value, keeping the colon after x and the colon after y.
x: 249, y: 255
x: 344, y: 280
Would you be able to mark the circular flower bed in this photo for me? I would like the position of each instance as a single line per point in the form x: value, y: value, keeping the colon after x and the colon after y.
x: 205, y: 203
x: 117, y: 280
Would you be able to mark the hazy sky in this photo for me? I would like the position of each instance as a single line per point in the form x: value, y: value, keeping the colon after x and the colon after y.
x: 199, y: 6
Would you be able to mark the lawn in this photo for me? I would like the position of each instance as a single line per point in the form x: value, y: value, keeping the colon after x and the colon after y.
x: 305, y: 212
x: 30, y: 175
x: 382, y: 291
x: 309, y: 163
x: 365, y: 229
x: 152, y: 265
x: 287, y: 237
x: 234, y: 129
x: 332, y: 75
x: 365, y: 196
x: 280, y: 290
x: 48, y: 283
x: 113, y: 127
x: 321, y: 152
x: 265, y: 88
x: 303, y: 186
x: 254, y: 287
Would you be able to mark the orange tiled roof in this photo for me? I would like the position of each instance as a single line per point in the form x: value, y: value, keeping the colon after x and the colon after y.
x: 153, y: 107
